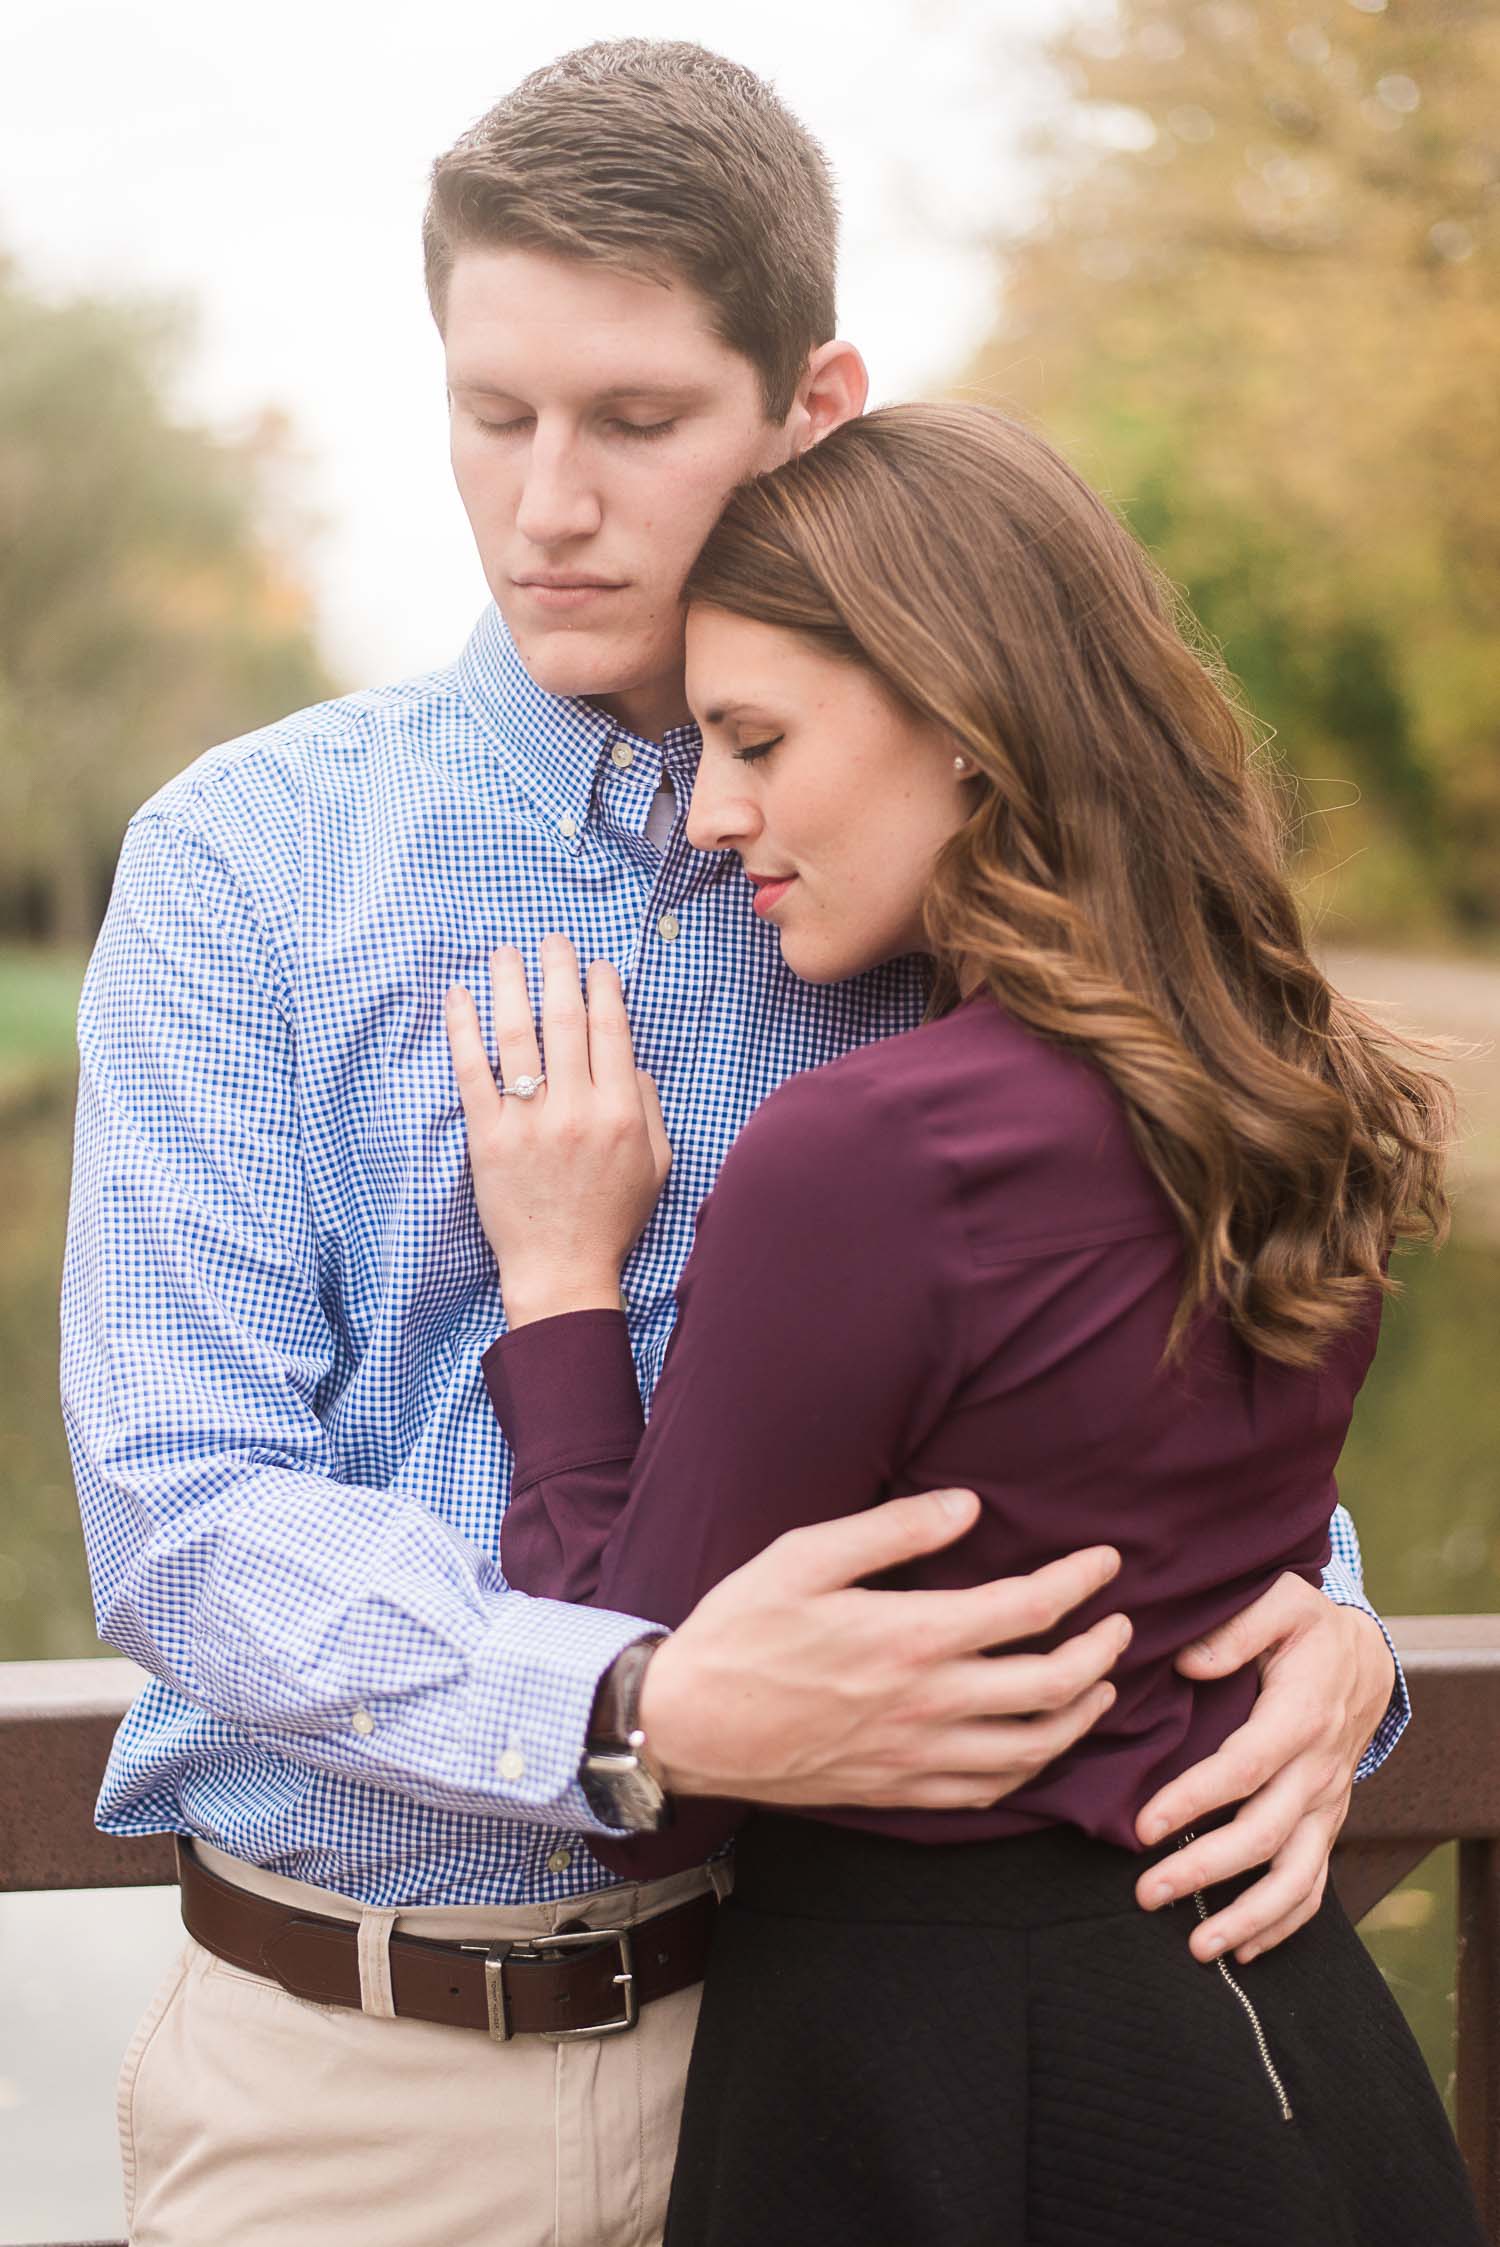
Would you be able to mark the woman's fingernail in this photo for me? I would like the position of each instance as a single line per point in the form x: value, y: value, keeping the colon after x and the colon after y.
x: 1214, y: 1945
x: 1160, y: 1892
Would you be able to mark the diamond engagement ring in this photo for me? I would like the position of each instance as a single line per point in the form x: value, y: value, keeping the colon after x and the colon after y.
x: 526, y: 1088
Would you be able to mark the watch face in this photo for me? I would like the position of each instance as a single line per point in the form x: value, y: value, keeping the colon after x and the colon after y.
x: 621, y: 1792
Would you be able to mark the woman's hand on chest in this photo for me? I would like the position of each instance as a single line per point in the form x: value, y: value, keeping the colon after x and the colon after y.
x: 567, y: 1164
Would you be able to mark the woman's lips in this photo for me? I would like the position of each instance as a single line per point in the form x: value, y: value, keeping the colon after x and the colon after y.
x: 769, y: 894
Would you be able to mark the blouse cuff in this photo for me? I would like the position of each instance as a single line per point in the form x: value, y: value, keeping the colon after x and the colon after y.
x: 565, y: 1392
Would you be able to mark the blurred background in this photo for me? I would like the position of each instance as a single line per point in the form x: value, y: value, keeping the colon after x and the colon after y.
x: 1242, y: 260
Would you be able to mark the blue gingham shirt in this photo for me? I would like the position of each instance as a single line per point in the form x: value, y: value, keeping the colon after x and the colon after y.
x: 277, y: 1289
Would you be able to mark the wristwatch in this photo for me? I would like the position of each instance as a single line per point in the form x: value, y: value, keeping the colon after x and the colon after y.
x: 618, y: 1785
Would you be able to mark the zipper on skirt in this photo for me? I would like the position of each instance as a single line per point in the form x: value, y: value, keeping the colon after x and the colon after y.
x: 1268, y: 2065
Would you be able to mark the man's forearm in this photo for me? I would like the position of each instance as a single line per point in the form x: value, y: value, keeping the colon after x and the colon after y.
x: 340, y: 1625
x: 349, y: 1631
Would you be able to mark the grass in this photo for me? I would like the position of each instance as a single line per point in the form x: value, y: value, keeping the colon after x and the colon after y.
x: 38, y: 1003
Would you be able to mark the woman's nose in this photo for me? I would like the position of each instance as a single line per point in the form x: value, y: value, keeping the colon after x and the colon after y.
x: 719, y: 818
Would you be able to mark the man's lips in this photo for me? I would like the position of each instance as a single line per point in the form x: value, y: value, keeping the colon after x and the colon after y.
x: 566, y: 590
x: 769, y: 889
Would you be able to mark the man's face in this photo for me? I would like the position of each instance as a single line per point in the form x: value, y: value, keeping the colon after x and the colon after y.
x: 598, y: 425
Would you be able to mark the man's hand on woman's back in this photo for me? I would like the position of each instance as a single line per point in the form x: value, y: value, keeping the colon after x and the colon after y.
x: 1326, y: 1676
x: 791, y: 1683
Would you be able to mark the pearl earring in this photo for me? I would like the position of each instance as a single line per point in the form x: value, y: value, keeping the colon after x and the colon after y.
x: 960, y: 764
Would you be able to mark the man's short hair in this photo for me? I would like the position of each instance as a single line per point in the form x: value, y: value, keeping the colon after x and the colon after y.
x: 660, y: 158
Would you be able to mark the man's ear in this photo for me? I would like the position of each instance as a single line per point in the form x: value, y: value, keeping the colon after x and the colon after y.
x: 833, y: 389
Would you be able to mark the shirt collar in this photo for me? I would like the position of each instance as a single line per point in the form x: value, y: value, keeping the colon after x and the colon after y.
x: 554, y: 746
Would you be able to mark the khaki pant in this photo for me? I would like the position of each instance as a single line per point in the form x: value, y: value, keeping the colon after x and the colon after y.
x: 249, y: 2118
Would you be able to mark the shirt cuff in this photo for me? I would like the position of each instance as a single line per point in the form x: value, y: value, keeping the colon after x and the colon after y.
x: 532, y: 1691
x: 1344, y: 1587
x: 565, y: 1392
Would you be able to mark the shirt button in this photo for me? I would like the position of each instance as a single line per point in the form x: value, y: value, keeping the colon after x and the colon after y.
x: 512, y: 1764
x: 568, y: 826
x: 362, y: 1721
x: 559, y: 1860
x: 669, y: 928
x: 623, y: 755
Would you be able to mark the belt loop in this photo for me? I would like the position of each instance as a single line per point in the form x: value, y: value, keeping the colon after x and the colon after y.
x: 375, y: 1994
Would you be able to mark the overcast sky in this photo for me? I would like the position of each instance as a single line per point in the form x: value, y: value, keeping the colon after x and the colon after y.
x: 270, y: 164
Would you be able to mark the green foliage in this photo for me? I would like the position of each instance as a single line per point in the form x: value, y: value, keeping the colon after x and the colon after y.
x: 45, y: 1607
x: 38, y: 1006
x: 142, y: 614
x: 1263, y: 312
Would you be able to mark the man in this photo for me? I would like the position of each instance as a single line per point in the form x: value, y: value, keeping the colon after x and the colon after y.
x: 278, y: 1293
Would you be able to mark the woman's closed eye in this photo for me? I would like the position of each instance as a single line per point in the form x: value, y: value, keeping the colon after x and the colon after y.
x: 753, y: 751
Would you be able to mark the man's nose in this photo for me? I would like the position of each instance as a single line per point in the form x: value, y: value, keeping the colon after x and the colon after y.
x: 558, y: 503
x: 719, y: 817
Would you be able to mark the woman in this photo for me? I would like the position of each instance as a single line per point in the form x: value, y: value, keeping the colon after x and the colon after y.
x: 1112, y: 1226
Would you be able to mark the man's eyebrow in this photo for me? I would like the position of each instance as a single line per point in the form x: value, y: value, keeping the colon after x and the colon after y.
x: 656, y: 393
x: 675, y: 393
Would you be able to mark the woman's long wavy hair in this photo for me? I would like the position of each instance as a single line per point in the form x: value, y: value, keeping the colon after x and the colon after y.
x: 1118, y: 884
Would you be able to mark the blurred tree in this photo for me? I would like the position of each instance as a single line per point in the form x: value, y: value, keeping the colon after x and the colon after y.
x: 1263, y: 312
x: 142, y: 612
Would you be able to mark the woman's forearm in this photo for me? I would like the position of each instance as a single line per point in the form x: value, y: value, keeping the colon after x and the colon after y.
x: 564, y: 1389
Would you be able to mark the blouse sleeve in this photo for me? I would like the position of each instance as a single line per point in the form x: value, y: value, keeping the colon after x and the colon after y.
x: 815, y: 1344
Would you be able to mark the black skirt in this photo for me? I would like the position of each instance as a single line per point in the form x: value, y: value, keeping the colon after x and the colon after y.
x: 991, y: 2045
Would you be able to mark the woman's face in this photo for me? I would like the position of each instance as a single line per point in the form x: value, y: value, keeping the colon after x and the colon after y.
x: 836, y: 797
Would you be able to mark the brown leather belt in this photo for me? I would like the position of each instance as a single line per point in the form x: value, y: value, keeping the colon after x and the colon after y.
x: 581, y: 1981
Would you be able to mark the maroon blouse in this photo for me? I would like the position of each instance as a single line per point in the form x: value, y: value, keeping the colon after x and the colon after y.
x: 938, y: 1262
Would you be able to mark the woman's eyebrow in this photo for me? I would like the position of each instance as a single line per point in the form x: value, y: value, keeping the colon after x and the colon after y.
x: 722, y: 712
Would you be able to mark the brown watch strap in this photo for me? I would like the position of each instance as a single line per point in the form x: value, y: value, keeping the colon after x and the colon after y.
x: 617, y: 1702
x: 317, y: 1958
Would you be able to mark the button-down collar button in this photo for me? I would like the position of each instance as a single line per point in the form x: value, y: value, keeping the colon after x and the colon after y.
x: 669, y: 928
x: 512, y: 1764
x: 567, y: 825
x: 623, y: 755
x: 559, y: 1860
x: 362, y: 1721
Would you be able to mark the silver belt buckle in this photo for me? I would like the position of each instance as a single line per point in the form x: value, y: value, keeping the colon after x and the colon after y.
x: 496, y: 1954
